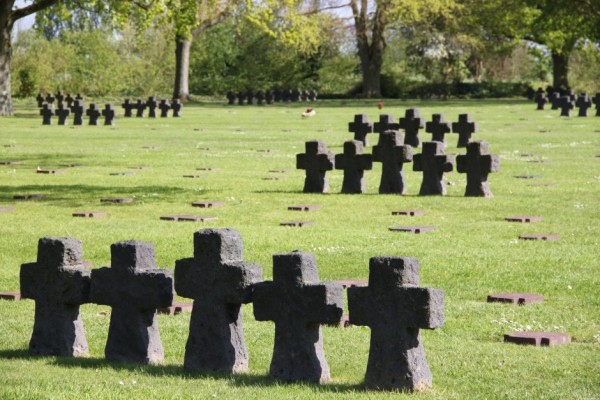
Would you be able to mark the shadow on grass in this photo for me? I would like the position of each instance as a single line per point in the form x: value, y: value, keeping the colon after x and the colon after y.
x: 15, y: 354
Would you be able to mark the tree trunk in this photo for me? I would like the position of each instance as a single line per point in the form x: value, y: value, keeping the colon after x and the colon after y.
x: 560, y: 69
x: 182, y: 68
x: 6, y: 25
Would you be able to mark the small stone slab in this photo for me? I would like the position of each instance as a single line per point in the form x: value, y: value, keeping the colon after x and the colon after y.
x: 264, y: 151
x: 122, y: 173
x: 192, y: 176
x: 49, y: 171
x: 28, y: 196
x: 118, y: 200
x: 136, y: 167
x: 204, y: 148
x: 537, y: 338
x: 90, y: 214
x: 528, y: 176
x: 8, y: 162
x: 150, y: 147
x: 14, y: 296
x: 304, y: 207
x: 6, y: 209
x: 524, y: 218
x: 208, y: 204
x: 176, y: 308
x: 413, y: 229
x: 271, y: 178
x: 279, y: 171
x: 72, y: 165
x: 208, y: 169
x: 187, y: 218
x: 515, y: 298
x: 543, y: 184
x: 297, y: 223
x: 411, y: 213
x: 540, y: 237
x: 346, y: 283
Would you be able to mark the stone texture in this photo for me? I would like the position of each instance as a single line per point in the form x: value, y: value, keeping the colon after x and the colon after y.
x: 465, y: 127
x: 540, y: 237
x: 515, y: 298
x: 134, y: 287
x: 12, y: 296
x: 412, y: 229
x: 385, y: 123
x: 537, y: 338
x: 304, y: 207
x: 411, y: 123
x: 361, y: 127
x: 392, y: 155
x: 526, y: 219
x: 298, y: 303
x: 176, y: 308
x: 433, y: 163
x: 59, y: 284
x: 395, y: 308
x: 354, y: 162
x: 438, y: 127
x: 411, y: 213
x: 317, y: 160
x: 187, y: 218
x: 477, y: 164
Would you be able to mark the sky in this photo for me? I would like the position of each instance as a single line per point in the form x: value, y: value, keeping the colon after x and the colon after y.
x: 24, y: 23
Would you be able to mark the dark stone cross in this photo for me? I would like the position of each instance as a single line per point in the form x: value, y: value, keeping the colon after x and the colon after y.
x: 240, y: 98
x: 541, y: 100
x: 62, y: 112
x: 317, y: 160
x: 47, y: 112
x: 93, y: 113
x: 69, y: 99
x: 392, y: 154
x: 151, y: 104
x: 477, y: 164
x: 260, y: 97
x: 230, y: 98
x: 269, y: 97
x: 295, y: 95
x: 164, y: 107
x: 77, y: 109
x: 140, y: 107
x: 128, y: 106
x: 250, y: 96
x: 438, y: 127
x: 395, y: 308
x: 219, y: 282
x: 433, y: 162
x: 277, y: 95
x: 354, y: 162
x: 596, y: 101
x: 583, y: 103
x: 59, y: 98
x: 40, y: 100
x: 361, y: 127
x: 465, y: 127
x: 134, y: 287
x: 176, y: 106
x: 411, y: 123
x: 385, y: 123
x: 312, y: 96
x: 50, y: 98
x: 566, y: 105
x: 555, y: 100
x: 109, y: 114
x: 59, y: 284
x: 298, y: 303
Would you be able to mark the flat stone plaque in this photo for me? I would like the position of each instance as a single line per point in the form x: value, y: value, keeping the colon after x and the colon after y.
x: 187, y: 218
x: 411, y: 213
x: 14, y: 296
x: 543, y: 184
x: 537, y: 338
x: 264, y: 151
x: 6, y: 209
x: 204, y: 148
x: 49, y: 171
x: 176, y: 308
x: 304, y: 207
x: 413, y: 229
x: 540, y: 237
x: 8, y: 162
x: 528, y: 176
x: 271, y: 178
x: 208, y: 204
x: 524, y: 218
x: 28, y: 196
x: 279, y: 171
x: 150, y: 147
x: 297, y: 223
x: 118, y: 200
x: 72, y: 165
x: 90, y: 214
x: 128, y: 173
x: 346, y: 283
x: 136, y: 167
x: 192, y: 176
x: 208, y: 169
x: 515, y: 298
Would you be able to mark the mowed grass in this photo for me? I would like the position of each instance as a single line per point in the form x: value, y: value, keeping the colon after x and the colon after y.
x: 474, y: 251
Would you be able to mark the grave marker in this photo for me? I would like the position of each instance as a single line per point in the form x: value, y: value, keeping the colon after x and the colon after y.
x: 583, y: 103
x: 555, y: 100
x: 537, y: 338
x: 93, y: 113
x: 59, y: 98
x: 412, y: 229
x: 392, y: 155
x: 596, y: 101
x: 465, y: 127
x: 77, y: 109
x: 316, y: 160
x: 176, y: 308
x: 411, y: 213
x: 128, y: 106
x: 515, y: 298
x: 40, y: 100
x: 118, y: 200
x: 11, y: 296
x: 297, y: 224
x: 433, y: 163
x: 540, y: 237
x: 477, y: 164
x: 28, y: 196
x: 250, y: 97
x: 411, y: 123
x: 354, y: 162
x: 50, y: 99
x: 109, y: 114
x: 240, y: 98
x: 69, y: 100
x: 541, y: 100
x: 62, y: 112
x: 438, y: 127
x: 304, y: 207
x: 385, y: 123
x: 47, y: 112
x: 176, y: 106
x: 361, y: 127
x: 90, y: 214
x: 566, y: 105
x: 140, y: 107
x: 151, y: 104
x: 164, y: 107
x: 208, y: 204
x: 194, y: 218
x: 230, y: 98
x: 525, y: 219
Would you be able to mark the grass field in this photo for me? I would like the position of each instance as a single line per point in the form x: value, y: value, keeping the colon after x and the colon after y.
x: 473, y: 252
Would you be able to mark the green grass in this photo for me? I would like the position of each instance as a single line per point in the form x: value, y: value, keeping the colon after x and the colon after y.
x: 473, y: 252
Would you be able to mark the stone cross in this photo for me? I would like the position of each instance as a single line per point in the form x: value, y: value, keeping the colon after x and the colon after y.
x: 541, y: 100
x: 312, y: 96
x: 269, y: 96
x: 433, y: 162
x: 128, y: 106
x: 465, y: 127
x: 47, y: 112
x: 361, y: 127
x: 50, y: 98
x: 354, y: 162
x: 260, y: 97
x: 151, y: 104
x: 298, y: 303
x: 392, y: 154
x: 140, y: 107
x: 79, y: 96
x: 40, y: 100
x: 566, y: 105
x: 583, y: 103
x: 385, y: 123
x: 164, y: 107
x: 596, y: 101
x: 230, y: 98
x: 219, y: 282
x: 58, y: 283
x: 477, y: 164
x: 93, y: 113
x: 62, y: 112
x: 59, y: 98
x: 69, y: 99
x: 395, y: 308
x: 250, y: 96
x: 295, y: 95
x: 317, y: 160
x: 277, y: 95
x: 134, y: 287
x: 176, y: 106
x: 240, y: 97
x: 555, y: 100
x: 438, y: 127
x: 77, y: 109
x: 411, y: 123
x: 109, y: 114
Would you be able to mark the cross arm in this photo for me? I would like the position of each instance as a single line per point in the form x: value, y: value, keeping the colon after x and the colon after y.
x: 422, y: 307
x: 237, y: 280
x: 327, y: 161
x: 324, y: 302
x: 418, y: 162
x: 490, y: 163
x: 462, y: 164
x: 266, y: 301
x: 75, y: 285
x: 29, y: 280
x: 185, y: 282
x: 365, y: 161
x: 445, y: 162
x: 359, y: 306
x: 404, y: 153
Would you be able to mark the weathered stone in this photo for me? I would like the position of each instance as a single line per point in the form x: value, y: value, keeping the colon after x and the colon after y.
x: 298, y: 303
x: 47, y: 112
x: 128, y: 106
x: 93, y: 113
x: 151, y: 104
x: 62, y: 112
x: 208, y: 204
x: 385, y: 123
x: 134, y: 287
x: 298, y: 224
x: 537, y: 338
x: 540, y: 237
x: 117, y: 200
x: 164, y: 107
x: 12, y: 296
x: 49, y: 171
x: 412, y: 229
x: 515, y: 298
x: 392, y: 155
x: 125, y: 173
x: 176, y: 308
x: 411, y: 213
x: 465, y: 127
x: 354, y: 162
x: 59, y: 284
x: 395, y: 308
x: 438, y: 127
x: 317, y: 160
x: 304, y: 207
x: 219, y: 282
x: 90, y: 214
x: 566, y: 105
x: 583, y: 103
x: 433, y: 163
x: 477, y: 164
x: 528, y: 218
x: 411, y: 123
x: 194, y: 218
x: 361, y: 127
x: 109, y: 114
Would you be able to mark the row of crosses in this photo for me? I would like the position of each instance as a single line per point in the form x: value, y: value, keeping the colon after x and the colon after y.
x: 568, y: 102
x: 151, y: 104
x: 219, y: 281
x: 59, y: 98
x: 393, y: 153
x: 270, y: 96
x: 63, y: 112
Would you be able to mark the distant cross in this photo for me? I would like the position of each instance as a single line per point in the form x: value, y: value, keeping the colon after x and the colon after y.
x: 438, y: 127
x: 240, y: 97
x: 109, y: 114
x: 269, y: 96
x: 395, y: 308
x: 541, y: 100
x: 47, y: 112
x: 304, y: 95
x: 433, y: 163
x: 260, y: 97
x: 59, y: 284
x: 555, y: 100
x: 313, y: 95
x: 59, y: 98
x: 50, y: 98
x: 128, y: 106
x: 219, y: 282
x: 354, y: 163
x: 361, y: 127
x: 385, y: 123
x: 295, y: 95
x: 277, y: 95
x: 286, y: 95
x: 40, y: 100
x: 164, y: 107
x: 77, y: 109
x: 539, y: 92
x: 298, y: 303
x: 317, y: 160
x: 477, y: 164
x: 62, y: 112
x: 69, y: 100
x: 572, y: 95
x: 411, y: 123
x: 134, y: 287
x: 93, y: 113
x: 151, y: 104
x: 596, y: 101
x: 583, y: 103
x: 566, y: 105
x: 140, y: 107
x: 79, y: 97
x: 230, y: 98
x: 250, y: 97
x: 392, y: 154
x: 465, y: 127
x: 176, y: 106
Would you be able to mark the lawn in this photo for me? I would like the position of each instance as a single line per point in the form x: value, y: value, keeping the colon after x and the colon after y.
x: 473, y: 252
